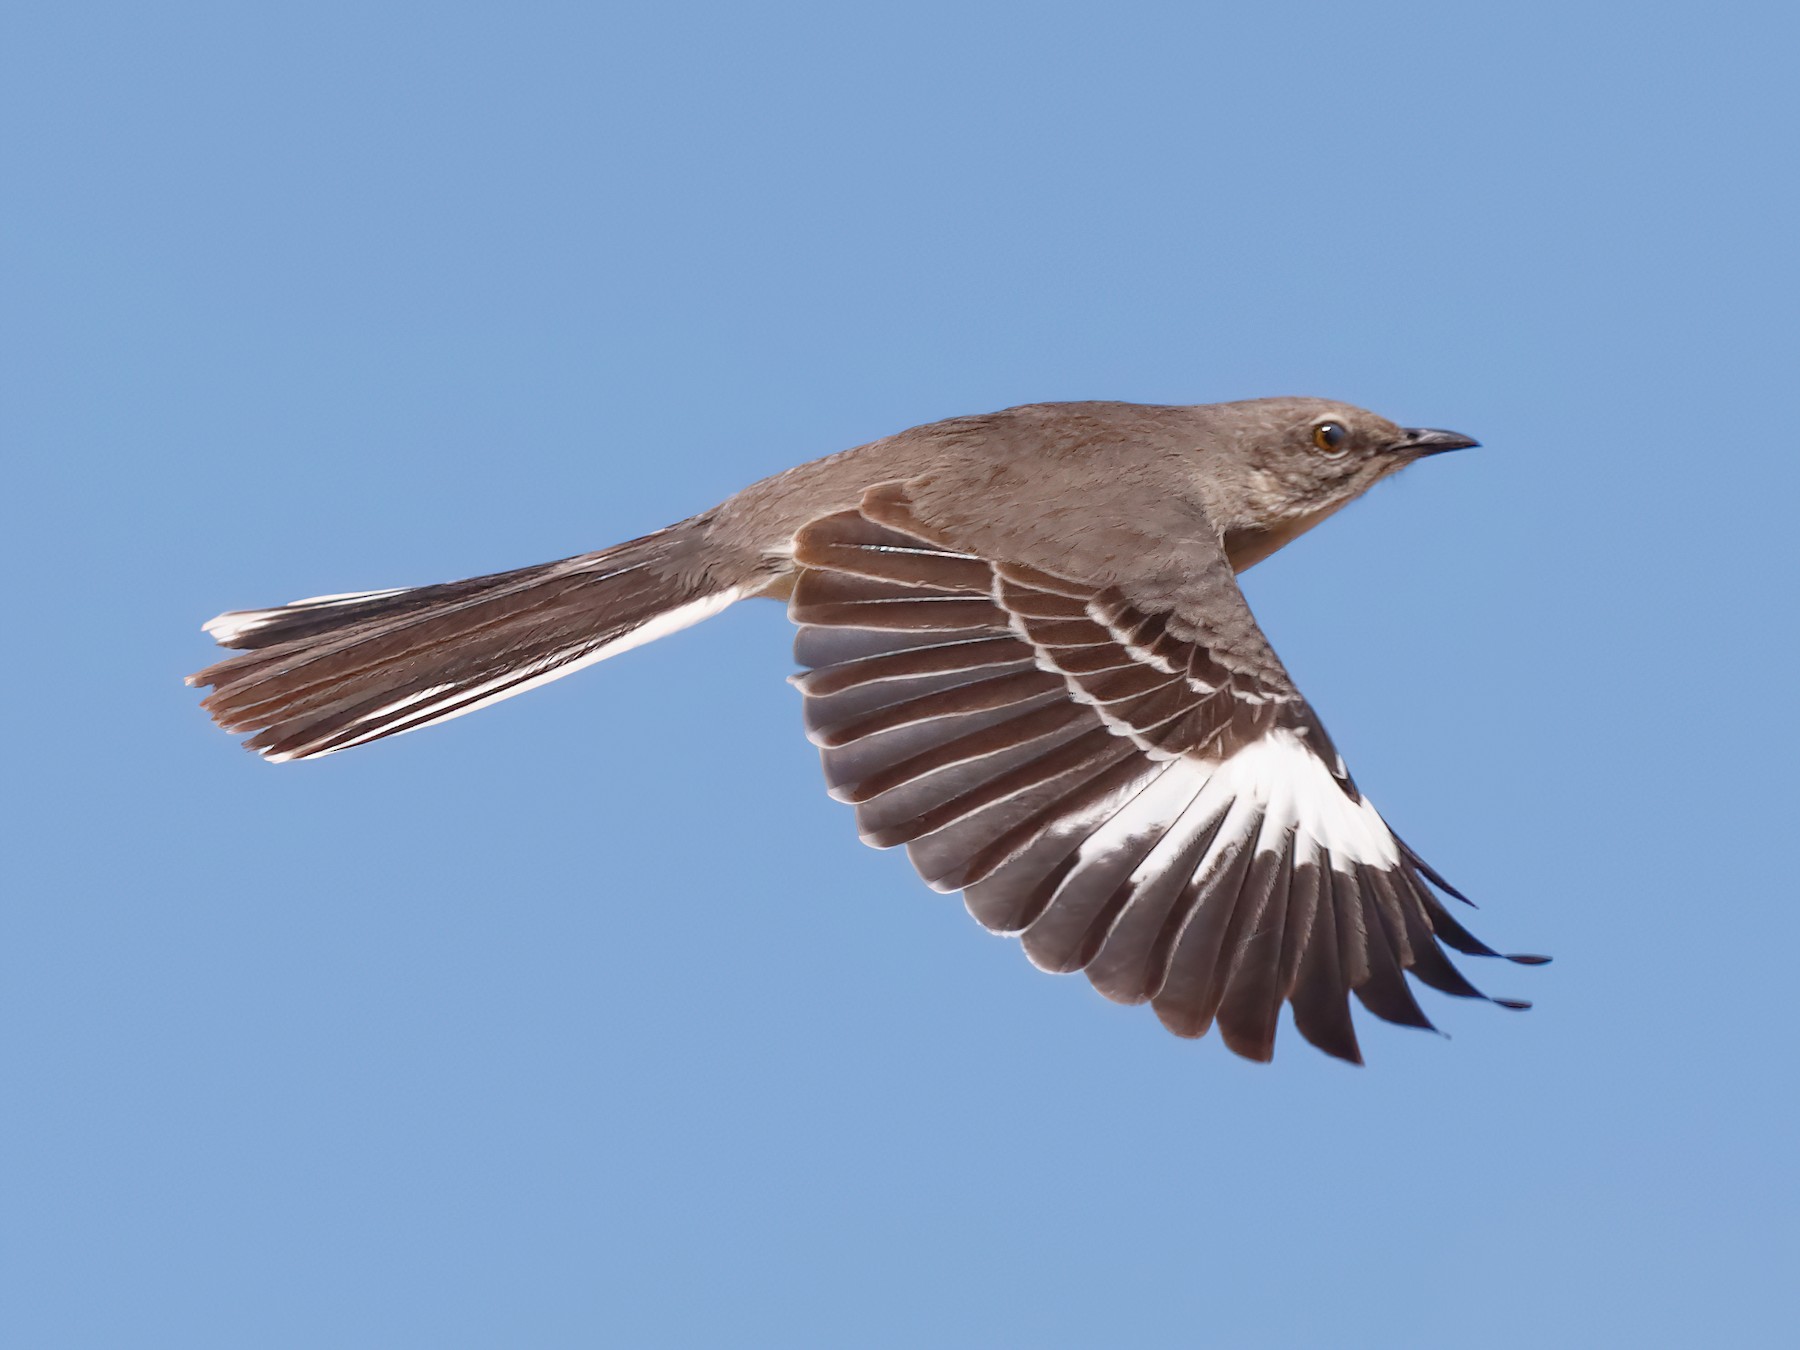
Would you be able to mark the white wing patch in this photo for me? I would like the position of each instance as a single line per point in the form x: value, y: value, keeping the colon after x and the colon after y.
x: 1274, y: 786
x: 1273, y: 795
x: 1295, y: 790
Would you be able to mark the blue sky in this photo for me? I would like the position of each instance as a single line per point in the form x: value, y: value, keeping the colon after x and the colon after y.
x: 587, y: 1020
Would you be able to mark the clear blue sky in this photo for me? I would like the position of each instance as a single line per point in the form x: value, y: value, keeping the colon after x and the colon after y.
x: 587, y: 1020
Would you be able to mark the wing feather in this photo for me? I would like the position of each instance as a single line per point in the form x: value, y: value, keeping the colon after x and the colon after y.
x: 1137, y: 791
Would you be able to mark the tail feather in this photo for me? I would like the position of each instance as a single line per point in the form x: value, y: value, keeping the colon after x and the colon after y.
x: 331, y: 672
x: 252, y: 629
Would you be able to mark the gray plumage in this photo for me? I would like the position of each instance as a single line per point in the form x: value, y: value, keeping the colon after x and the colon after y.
x: 1028, y: 661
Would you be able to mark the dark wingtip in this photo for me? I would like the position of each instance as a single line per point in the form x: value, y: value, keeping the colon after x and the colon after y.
x: 1431, y: 874
x: 1526, y: 959
x: 1516, y: 1004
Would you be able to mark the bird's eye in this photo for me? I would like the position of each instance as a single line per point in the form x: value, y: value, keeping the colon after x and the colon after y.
x: 1330, y: 437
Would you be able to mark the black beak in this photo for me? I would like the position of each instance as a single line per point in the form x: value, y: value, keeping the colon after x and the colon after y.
x: 1429, y: 441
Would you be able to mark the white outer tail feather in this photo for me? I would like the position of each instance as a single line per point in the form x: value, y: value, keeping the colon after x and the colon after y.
x: 382, y: 720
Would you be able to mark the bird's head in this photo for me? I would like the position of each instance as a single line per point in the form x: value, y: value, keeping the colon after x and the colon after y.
x: 1291, y: 462
x: 1298, y: 459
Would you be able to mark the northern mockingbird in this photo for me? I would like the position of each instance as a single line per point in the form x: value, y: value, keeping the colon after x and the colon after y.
x: 1025, y: 657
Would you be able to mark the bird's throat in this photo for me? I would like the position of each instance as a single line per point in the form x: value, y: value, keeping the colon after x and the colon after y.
x: 1247, y: 547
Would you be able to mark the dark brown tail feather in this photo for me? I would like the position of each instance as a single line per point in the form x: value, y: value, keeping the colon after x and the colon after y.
x: 324, y: 674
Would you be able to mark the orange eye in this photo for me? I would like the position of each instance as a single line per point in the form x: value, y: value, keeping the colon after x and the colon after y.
x: 1330, y: 437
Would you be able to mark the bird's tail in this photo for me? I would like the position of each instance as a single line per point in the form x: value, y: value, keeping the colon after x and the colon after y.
x: 335, y: 671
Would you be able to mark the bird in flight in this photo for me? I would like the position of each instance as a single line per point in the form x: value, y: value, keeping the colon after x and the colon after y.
x: 1025, y: 657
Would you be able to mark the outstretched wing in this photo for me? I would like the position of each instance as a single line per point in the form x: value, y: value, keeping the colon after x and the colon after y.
x: 1135, y: 790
